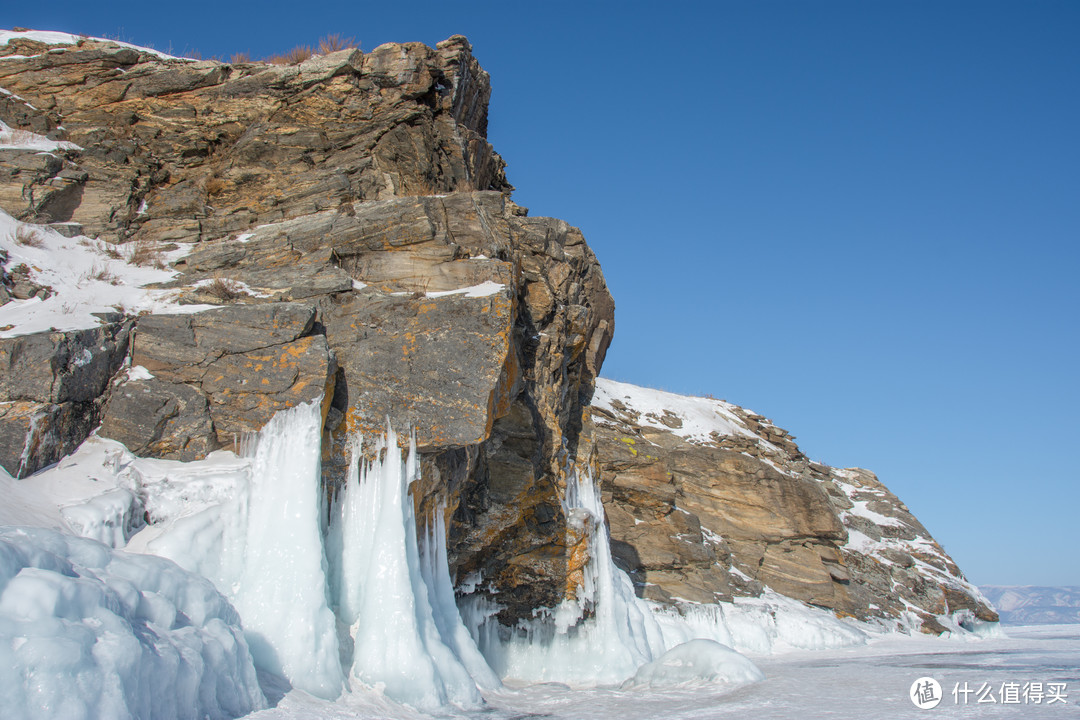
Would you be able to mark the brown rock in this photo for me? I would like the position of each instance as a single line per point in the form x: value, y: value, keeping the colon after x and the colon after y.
x: 772, y: 516
x: 215, y: 149
x: 157, y: 418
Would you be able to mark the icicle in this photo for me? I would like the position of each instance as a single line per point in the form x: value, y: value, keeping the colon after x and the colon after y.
x: 282, y: 588
x: 568, y: 645
x: 33, y: 441
x: 400, y: 645
x: 436, y: 573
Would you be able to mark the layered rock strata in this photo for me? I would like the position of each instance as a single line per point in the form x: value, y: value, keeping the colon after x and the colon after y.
x: 708, y: 501
x: 351, y: 221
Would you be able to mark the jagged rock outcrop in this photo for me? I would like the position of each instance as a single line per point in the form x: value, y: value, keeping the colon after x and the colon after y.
x: 341, y: 229
x: 310, y: 197
x: 708, y: 501
x: 185, y: 151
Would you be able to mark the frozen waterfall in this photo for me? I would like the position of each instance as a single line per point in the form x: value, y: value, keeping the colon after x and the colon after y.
x: 264, y: 551
x: 360, y: 594
x: 395, y: 593
x: 600, y: 638
x: 373, y: 590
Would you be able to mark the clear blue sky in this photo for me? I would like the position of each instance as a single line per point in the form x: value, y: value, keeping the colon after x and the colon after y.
x: 860, y: 219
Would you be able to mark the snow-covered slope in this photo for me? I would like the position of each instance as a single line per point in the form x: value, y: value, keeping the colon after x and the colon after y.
x: 695, y: 419
x: 78, y: 277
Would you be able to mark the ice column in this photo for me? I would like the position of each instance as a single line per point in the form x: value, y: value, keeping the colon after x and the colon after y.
x: 408, y: 639
x: 281, y: 594
x: 264, y: 551
x: 436, y: 573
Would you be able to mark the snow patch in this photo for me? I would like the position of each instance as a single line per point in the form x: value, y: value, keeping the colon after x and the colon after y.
x: 12, y: 139
x: 84, y: 280
x: 138, y: 372
x: 484, y: 289
x: 50, y: 37
x: 859, y: 508
x: 699, y: 417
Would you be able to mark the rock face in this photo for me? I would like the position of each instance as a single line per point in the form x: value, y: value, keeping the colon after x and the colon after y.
x: 217, y: 375
x: 353, y: 227
x: 708, y: 501
x: 51, y: 387
x: 188, y: 151
x: 352, y: 221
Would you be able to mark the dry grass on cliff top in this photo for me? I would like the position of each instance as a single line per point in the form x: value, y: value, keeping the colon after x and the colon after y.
x: 300, y: 53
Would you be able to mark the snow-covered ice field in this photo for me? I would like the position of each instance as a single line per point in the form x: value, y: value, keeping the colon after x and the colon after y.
x: 861, y: 683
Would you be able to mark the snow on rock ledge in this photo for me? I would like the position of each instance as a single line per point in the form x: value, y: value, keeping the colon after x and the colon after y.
x: 695, y: 419
x: 86, y: 631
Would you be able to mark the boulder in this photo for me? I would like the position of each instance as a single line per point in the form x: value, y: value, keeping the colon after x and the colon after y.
x: 51, y: 387
x: 217, y: 375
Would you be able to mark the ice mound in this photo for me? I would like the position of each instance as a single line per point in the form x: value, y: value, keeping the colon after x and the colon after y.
x: 696, y: 662
x: 89, y: 632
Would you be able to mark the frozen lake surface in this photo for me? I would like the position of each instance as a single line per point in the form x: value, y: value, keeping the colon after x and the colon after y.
x: 861, y: 683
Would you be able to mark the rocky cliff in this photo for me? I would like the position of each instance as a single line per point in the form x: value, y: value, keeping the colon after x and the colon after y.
x: 340, y: 229
x: 708, y: 501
